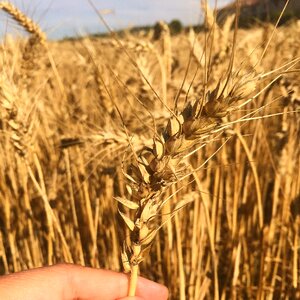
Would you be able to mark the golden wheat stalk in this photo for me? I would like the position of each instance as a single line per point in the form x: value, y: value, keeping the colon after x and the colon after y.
x: 17, y: 130
x: 23, y: 20
x: 160, y: 166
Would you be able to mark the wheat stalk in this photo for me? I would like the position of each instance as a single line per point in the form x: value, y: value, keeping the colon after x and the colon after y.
x: 162, y: 165
x: 23, y: 20
x: 18, y: 130
x: 34, y: 47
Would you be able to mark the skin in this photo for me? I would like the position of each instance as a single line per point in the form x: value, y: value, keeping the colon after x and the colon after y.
x: 71, y: 282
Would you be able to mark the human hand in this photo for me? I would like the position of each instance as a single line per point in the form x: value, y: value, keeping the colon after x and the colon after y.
x: 70, y: 282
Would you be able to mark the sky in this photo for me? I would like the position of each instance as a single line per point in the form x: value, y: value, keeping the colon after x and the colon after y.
x: 62, y: 18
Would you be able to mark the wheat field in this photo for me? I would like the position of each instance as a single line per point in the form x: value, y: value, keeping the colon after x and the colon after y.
x: 197, y: 134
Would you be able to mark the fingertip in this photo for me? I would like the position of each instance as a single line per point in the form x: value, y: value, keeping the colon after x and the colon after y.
x: 131, y: 298
x: 151, y: 290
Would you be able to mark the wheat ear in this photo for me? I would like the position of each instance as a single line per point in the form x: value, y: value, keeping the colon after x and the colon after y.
x: 158, y: 167
x: 35, y: 45
x: 29, y: 25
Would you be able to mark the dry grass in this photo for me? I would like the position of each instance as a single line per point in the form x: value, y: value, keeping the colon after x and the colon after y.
x: 178, y: 130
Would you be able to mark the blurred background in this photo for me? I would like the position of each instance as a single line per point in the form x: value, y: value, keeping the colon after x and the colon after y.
x: 69, y: 18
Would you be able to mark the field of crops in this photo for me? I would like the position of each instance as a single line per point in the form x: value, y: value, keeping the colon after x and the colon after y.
x: 188, y: 144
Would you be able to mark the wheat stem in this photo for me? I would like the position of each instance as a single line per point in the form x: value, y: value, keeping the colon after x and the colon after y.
x: 133, y: 280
